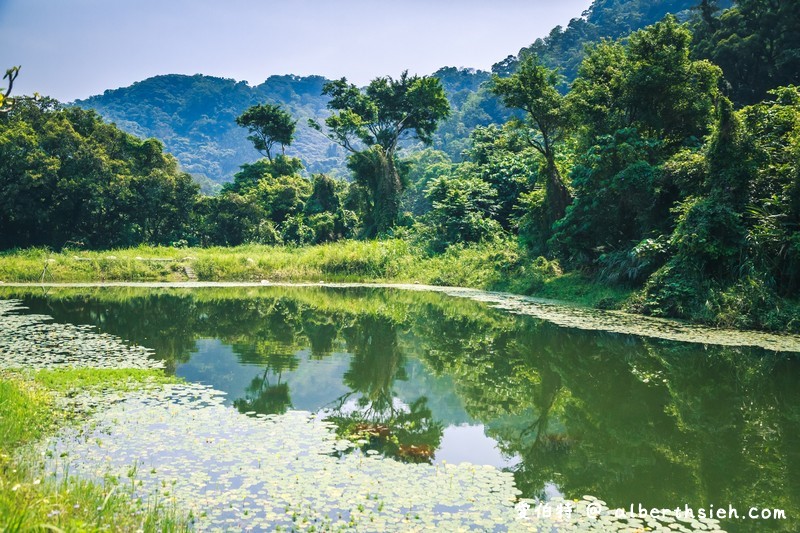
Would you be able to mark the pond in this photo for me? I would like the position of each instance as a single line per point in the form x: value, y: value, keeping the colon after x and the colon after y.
x: 411, y: 383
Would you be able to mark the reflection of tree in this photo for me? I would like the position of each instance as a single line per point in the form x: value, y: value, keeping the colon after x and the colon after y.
x: 322, y: 330
x: 407, y: 433
x: 630, y: 420
x: 163, y: 322
x: 398, y: 431
x: 626, y: 419
x: 263, y: 397
x: 376, y: 363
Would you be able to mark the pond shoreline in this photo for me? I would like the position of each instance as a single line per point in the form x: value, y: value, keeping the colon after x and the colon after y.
x: 564, y: 314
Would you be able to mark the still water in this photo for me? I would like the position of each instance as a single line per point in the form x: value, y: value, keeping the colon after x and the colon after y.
x: 426, y: 378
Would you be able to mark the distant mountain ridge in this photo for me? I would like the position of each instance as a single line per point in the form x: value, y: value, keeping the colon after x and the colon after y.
x: 194, y: 116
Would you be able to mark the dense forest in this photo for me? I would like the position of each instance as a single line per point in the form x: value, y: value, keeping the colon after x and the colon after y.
x: 665, y: 159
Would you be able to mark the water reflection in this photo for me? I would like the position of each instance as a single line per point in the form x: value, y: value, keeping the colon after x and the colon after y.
x: 424, y: 377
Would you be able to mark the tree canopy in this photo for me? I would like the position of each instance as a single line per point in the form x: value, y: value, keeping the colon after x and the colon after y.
x: 664, y: 161
x: 755, y: 42
x: 268, y: 125
x: 370, y: 123
x: 386, y: 112
x: 67, y: 177
x: 532, y: 88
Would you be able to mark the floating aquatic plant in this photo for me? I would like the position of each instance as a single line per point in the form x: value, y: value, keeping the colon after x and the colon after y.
x: 34, y: 341
x: 232, y: 470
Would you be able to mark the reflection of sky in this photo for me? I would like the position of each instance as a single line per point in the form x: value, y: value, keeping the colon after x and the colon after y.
x: 444, y: 403
x: 317, y: 383
x: 469, y: 444
x: 313, y: 384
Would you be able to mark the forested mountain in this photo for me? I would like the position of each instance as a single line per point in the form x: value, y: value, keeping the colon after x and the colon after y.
x: 756, y: 43
x: 195, y: 115
x: 563, y: 48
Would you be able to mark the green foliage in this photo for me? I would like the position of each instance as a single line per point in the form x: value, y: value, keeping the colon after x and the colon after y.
x: 755, y: 42
x: 386, y: 111
x: 501, y: 158
x: 419, y: 170
x: 709, y: 233
x: 564, y: 48
x: 378, y: 118
x: 195, y: 117
x: 269, y: 202
x: 734, y: 247
x: 533, y: 227
x: 532, y: 88
x: 773, y: 209
x: 670, y: 95
x: 229, y: 220
x: 462, y: 211
x: 283, y: 196
x: 331, y: 226
x: 268, y: 124
x: 615, y: 202
x: 68, y: 177
x: 649, y: 83
x: 376, y: 172
x: 472, y: 105
x: 29, y: 502
x: 295, y: 230
x: 639, y: 174
x: 324, y: 196
x: 27, y: 414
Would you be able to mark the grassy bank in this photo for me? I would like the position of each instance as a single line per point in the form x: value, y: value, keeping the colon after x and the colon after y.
x: 499, y: 266
x: 29, y: 499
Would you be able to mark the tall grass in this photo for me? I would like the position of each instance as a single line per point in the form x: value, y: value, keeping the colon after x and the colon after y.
x: 500, y: 265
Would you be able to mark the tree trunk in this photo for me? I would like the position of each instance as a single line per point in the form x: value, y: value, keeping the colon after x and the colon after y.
x: 375, y: 170
x: 557, y: 195
x: 387, y: 195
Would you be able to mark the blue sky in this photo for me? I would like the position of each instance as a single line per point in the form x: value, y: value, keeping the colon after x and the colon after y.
x: 72, y: 49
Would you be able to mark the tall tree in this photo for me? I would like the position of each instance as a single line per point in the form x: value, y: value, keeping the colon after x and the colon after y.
x: 533, y: 89
x: 649, y: 83
x: 268, y: 124
x: 370, y: 123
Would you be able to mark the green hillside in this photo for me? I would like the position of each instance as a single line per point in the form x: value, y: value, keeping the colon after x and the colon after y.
x: 194, y: 115
x: 195, y: 118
